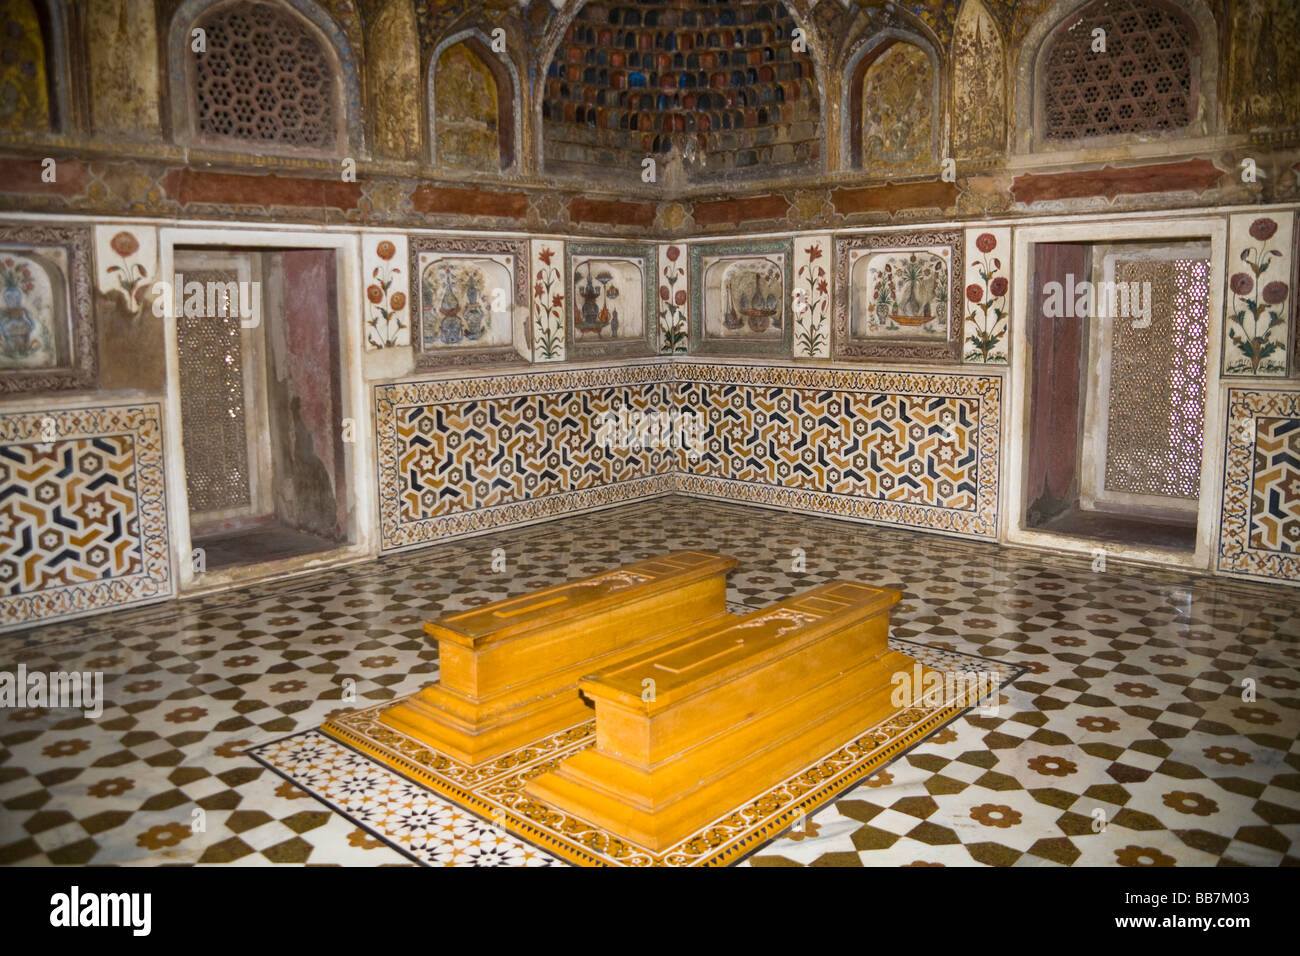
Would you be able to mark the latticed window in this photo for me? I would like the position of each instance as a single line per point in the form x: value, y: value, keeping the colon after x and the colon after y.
x: 1142, y: 82
x: 266, y: 78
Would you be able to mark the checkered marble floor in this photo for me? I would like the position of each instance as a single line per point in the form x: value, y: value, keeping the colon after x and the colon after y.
x: 1129, y: 740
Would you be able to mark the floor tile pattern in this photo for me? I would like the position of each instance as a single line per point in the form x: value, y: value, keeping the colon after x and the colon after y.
x: 1157, y: 723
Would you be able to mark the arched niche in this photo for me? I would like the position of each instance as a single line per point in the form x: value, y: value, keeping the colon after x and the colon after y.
x: 892, y: 102
x: 979, y: 85
x: 287, y: 80
x: 393, y: 81
x: 1049, y: 32
x: 33, y: 66
x: 473, y: 104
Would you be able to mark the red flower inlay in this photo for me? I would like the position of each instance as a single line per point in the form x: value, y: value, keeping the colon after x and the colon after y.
x: 124, y: 244
x: 1263, y: 229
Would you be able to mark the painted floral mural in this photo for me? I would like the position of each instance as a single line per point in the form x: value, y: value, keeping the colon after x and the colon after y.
x: 898, y: 110
x: 978, y: 84
x: 986, y: 302
x: 672, y: 302
x: 386, y: 325
x: 131, y: 277
x: 1259, y: 302
x: 465, y: 111
x: 812, y: 304
x: 548, y: 307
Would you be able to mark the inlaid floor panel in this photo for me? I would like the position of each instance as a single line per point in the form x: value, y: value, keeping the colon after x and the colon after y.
x: 1157, y: 723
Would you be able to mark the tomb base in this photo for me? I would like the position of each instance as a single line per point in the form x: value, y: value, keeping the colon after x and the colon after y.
x: 734, y: 711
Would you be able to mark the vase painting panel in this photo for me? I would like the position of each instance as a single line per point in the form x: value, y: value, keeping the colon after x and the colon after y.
x: 739, y: 295
x: 745, y: 297
x: 34, y: 332
x: 900, y: 293
x: 608, y: 300
x: 465, y: 302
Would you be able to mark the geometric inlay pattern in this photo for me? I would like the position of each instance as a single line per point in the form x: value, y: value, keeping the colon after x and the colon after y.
x: 1130, y: 709
x: 461, y: 456
x: 918, y: 450
x: 83, y: 522
x: 1260, y: 524
x: 1275, y: 499
x: 473, y: 454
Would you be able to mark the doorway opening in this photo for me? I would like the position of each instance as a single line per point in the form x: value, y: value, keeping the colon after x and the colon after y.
x: 261, y: 404
x: 1117, y: 401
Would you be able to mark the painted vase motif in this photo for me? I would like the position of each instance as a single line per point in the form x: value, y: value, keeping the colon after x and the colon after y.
x: 17, y: 326
x: 588, y: 317
x: 474, y: 315
x: 755, y: 309
x: 451, y: 326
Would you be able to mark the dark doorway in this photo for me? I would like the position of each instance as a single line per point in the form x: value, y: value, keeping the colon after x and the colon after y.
x: 1119, y: 336
x: 261, y: 404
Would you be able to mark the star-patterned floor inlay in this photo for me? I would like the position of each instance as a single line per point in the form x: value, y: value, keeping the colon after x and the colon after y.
x: 1157, y: 723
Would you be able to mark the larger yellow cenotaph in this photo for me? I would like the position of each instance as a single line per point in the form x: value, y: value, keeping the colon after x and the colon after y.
x: 697, y: 710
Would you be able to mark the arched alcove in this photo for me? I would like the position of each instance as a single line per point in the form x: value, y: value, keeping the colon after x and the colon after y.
x: 275, y: 77
x: 473, y: 105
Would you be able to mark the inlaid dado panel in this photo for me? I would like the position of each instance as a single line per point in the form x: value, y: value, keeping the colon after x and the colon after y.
x: 919, y: 450
x: 83, y: 520
x: 1260, y: 530
x: 473, y: 454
